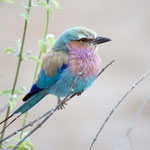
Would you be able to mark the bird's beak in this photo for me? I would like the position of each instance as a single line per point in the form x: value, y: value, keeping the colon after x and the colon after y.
x: 100, y: 40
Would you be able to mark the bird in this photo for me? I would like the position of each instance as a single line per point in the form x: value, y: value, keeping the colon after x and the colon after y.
x: 62, y: 65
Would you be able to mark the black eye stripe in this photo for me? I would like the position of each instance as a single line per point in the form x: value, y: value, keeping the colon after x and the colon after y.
x: 83, y: 40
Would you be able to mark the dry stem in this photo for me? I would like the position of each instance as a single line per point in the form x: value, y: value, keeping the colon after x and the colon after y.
x: 116, y: 106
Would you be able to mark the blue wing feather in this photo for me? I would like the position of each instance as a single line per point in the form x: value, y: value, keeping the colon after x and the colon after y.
x: 33, y: 91
x: 46, y: 82
x: 35, y: 88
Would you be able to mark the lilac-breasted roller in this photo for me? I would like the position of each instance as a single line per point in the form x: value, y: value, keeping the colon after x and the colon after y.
x: 62, y: 65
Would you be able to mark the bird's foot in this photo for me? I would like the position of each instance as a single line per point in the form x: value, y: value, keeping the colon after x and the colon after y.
x: 62, y: 105
x: 79, y: 93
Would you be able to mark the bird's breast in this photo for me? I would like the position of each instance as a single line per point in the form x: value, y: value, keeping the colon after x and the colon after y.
x: 78, y: 61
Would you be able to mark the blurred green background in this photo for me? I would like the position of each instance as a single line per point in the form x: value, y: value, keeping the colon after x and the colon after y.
x: 127, y: 23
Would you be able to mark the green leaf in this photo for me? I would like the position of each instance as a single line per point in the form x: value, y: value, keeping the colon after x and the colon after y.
x: 51, y: 39
x: 18, y: 43
x: 25, y: 16
x: 46, y: 6
x: 29, y: 144
x: 11, y: 146
x: 12, y: 104
x: 5, y: 92
x: 7, y: 1
x: 43, y: 46
x: 1, y: 119
x: 28, y: 52
x: 18, y: 98
x: 36, y: 59
x: 10, y: 50
x: 56, y: 5
x: 23, y: 88
x: 26, y: 145
x: 18, y: 91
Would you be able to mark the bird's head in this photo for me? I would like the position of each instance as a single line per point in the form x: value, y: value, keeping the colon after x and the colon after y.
x: 78, y: 37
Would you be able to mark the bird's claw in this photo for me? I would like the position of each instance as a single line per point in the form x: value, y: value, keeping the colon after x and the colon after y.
x: 62, y: 105
x: 79, y: 93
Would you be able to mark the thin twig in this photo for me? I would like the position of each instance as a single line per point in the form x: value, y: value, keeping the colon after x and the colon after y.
x: 131, y: 125
x: 116, y: 106
x: 130, y: 142
x: 103, y: 69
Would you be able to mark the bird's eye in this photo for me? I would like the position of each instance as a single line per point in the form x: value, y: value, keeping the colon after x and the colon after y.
x: 83, y: 40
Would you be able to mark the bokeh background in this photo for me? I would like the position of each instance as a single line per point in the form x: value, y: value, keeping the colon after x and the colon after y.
x: 127, y: 23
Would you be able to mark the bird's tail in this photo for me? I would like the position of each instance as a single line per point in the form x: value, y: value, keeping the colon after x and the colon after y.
x: 34, y: 99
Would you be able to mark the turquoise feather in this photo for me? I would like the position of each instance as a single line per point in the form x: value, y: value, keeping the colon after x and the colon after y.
x: 33, y: 100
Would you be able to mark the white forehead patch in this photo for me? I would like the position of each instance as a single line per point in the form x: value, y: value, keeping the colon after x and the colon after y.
x: 85, y: 33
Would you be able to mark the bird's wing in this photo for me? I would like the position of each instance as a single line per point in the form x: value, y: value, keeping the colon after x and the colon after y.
x: 53, y: 64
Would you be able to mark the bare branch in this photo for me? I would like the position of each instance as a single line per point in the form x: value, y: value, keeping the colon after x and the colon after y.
x: 103, y: 69
x: 130, y: 142
x: 116, y: 106
x: 131, y: 125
